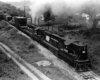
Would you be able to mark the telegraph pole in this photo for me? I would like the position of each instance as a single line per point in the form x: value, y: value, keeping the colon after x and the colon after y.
x: 24, y: 12
x: 24, y: 8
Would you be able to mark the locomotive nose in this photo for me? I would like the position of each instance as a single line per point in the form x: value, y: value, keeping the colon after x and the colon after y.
x: 83, y: 65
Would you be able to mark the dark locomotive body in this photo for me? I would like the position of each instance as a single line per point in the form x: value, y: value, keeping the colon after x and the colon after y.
x: 5, y: 16
x: 74, y: 53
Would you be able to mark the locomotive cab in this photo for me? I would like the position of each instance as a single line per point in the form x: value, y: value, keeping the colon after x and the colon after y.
x: 80, y: 50
x: 81, y: 61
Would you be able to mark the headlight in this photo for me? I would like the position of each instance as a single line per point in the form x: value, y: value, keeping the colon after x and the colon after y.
x: 83, y: 51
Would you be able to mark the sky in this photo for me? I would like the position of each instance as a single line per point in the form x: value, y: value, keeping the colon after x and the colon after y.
x: 60, y: 7
x: 11, y: 0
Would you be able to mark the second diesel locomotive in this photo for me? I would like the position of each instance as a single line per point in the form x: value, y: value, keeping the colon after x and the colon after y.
x: 71, y: 51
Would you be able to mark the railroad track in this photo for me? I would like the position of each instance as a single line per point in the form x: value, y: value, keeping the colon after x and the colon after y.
x: 29, y: 69
x: 89, y: 75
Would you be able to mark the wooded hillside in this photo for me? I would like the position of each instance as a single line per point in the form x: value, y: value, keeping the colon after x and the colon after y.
x: 12, y: 10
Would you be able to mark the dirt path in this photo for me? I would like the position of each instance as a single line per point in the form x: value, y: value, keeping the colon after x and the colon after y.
x: 9, y: 70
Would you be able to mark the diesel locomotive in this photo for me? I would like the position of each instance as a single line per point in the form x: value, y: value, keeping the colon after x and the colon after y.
x: 71, y: 51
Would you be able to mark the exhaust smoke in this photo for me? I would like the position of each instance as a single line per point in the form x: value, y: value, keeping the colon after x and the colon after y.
x: 65, y: 7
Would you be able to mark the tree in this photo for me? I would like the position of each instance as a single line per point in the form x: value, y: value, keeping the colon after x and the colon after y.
x: 11, y: 10
x: 48, y: 16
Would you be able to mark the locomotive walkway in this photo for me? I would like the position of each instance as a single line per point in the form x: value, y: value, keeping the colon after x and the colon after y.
x: 29, y: 69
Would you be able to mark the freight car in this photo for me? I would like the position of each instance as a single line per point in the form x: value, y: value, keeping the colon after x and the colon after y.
x: 71, y: 51
x: 7, y: 17
x: 20, y: 22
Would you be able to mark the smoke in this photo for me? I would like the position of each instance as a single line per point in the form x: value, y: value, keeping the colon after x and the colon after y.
x: 65, y: 7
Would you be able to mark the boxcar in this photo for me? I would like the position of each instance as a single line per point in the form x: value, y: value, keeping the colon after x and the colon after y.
x: 20, y: 22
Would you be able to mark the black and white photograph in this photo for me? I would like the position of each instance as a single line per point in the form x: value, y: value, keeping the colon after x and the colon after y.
x: 49, y: 39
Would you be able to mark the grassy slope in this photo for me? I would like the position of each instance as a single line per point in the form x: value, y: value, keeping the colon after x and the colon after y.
x: 22, y: 46
x: 9, y: 70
